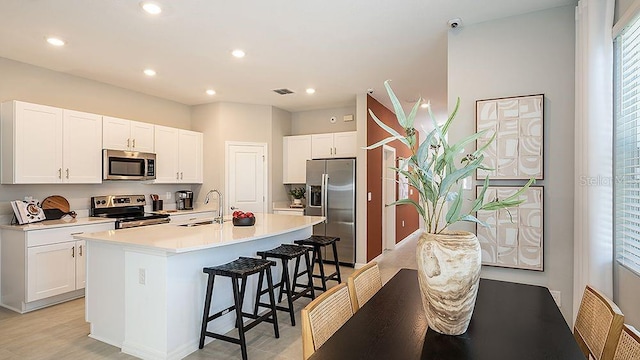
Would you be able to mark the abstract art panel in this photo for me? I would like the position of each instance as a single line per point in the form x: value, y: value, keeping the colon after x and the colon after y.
x: 517, y: 151
x: 514, y: 238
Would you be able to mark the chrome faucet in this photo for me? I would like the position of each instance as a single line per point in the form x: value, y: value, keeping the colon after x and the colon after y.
x: 219, y: 218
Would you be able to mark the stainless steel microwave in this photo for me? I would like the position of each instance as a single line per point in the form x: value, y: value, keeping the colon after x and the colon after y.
x: 128, y: 165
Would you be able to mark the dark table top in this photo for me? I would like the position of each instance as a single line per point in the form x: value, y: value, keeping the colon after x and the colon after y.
x: 510, y: 321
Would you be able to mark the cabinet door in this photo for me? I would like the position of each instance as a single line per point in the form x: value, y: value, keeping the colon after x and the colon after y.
x: 38, y: 144
x: 345, y: 144
x: 115, y: 133
x: 190, y: 156
x: 51, y: 270
x: 141, y: 137
x: 82, y: 147
x: 166, y: 148
x: 81, y: 260
x: 322, y: 146
x: 296, y: 152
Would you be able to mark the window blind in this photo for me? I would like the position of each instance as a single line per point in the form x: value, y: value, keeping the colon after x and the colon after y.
x: 627, y: 146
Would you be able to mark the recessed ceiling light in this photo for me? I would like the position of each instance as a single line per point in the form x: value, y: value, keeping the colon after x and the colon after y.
x: 311, y: 90
x: 149, y: 72
x: 238, y: 53
x: 425, y: 105
x: 151, y: 8
x: 55, y: 41
x: 211, y: 92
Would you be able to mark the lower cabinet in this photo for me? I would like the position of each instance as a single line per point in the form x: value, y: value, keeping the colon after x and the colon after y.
x: 43, y: 267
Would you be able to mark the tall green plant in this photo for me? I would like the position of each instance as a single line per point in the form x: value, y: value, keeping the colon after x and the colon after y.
x: 432, y: 171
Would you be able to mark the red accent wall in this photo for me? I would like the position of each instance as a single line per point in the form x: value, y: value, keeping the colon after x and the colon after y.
x: 374, y: 182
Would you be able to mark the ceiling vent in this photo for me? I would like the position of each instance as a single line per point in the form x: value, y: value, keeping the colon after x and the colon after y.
x: 283, y: 91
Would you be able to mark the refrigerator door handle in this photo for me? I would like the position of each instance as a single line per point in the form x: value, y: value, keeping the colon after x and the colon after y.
x: 325, y: 201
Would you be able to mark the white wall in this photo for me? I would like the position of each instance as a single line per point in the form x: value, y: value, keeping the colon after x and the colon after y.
x: 224, y: 121
x: 281, y: 127
x: 19, y: 81
x: 318, y: 121
x: 521, y: 55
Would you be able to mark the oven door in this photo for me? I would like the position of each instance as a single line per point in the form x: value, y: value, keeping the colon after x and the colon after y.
x: 127, y: 165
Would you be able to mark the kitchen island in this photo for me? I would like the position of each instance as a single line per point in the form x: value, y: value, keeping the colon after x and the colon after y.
x: 145, y: 286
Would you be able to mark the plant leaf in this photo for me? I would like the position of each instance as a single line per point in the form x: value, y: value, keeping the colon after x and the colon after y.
x: 410, y: 202
x: 445, y: 128
x: 412, y: 115
x: 472, y: 218
x: 388, y: 129
x: 381, y: 142
x: 477, y: 203
x: 402, y: 119
x: 453, y: 214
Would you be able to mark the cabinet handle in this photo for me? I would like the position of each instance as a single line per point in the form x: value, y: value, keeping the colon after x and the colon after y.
x: 78, y: 233
x: 178, y: 176
x: 60, y: 173
x: 128, y: 142
x: 80, y: 250
x: 335, y: 151
x: 134, y: 143
x: 73, y: 251
x: 67, y: 173
x: 181, y: 175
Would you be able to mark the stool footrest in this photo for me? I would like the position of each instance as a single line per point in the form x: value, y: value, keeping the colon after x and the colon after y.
x: 223, y: 337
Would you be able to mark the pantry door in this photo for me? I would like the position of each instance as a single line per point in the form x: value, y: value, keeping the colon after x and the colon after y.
x: 246, y: 179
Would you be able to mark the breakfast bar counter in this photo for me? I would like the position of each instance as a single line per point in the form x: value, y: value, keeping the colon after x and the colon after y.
x: 145, y: 286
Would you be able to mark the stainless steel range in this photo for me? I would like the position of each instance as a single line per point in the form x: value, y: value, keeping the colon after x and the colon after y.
x: 127, y: 209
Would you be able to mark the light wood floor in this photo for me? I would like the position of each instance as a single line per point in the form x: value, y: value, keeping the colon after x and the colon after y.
x: 60, y: 332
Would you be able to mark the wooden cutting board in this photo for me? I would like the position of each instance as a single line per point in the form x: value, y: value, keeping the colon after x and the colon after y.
x: 56, y: 202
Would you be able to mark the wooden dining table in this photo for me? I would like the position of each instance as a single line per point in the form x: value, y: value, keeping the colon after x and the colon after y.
x: 510, y: 321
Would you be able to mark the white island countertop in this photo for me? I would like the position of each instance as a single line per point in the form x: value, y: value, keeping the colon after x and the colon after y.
x: 173, y: 238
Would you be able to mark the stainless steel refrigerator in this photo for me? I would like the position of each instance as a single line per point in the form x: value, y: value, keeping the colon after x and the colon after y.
x: 331, y: 192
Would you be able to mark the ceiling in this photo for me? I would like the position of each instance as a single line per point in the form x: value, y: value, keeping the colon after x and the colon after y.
x: 340, y: 48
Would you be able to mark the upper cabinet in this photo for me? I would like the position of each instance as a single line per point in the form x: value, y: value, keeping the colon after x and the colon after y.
x: 127, y: 135
x: 47, y: 145
x: 296, y: 152
x: 334, y: 145
x: 178, y: 156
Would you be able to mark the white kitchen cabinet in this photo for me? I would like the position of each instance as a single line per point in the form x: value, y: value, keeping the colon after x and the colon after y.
x: 179, y: 218
x: 51, y: 270
x: 127, y: 135
x: 190, y: 156
x: 334, y: 145
x: 296, y: 152
x: 178, y: 156
x: 43, y: 267
x: 47, y: 145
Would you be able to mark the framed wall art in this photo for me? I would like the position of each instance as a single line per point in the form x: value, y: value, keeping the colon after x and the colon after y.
x: 515, y: 238
x: 517, y: 151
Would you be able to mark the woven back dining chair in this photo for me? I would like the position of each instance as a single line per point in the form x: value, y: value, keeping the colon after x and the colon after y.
x: 598, y: 325
x: 323, y: 316
x: 629, y: 344
x: 363, y: 284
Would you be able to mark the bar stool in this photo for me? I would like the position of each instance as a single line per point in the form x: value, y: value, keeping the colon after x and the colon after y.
x: 239, y: 269
x: 317, y: 242
x: 285, y: 253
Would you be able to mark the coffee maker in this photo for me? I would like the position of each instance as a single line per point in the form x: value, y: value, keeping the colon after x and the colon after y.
x: 184, y: 200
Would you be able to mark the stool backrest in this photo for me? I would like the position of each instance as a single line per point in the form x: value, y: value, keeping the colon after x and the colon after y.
x: 598, y: 325
x: 323, y: 317
x: 629, y: 344
x: 363, y: 284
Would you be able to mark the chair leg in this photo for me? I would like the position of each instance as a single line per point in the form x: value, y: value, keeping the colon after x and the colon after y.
x: 239, y: 323
x: 207, y: 307
x: 258, y: 293
x: 287, y: 283
x: 317, y: 250
x: 281, y: 287
x: 309, y: 274
x: 335, y: 257
x: 272, y: 298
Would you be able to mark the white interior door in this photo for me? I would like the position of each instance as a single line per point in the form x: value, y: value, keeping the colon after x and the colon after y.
x: 246, y: 183
x: 388, y: 197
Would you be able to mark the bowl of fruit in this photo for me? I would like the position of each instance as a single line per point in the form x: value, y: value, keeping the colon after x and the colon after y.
x: 241, y: 218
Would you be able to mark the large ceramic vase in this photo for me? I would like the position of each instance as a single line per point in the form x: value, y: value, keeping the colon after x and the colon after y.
x: 448, y: 273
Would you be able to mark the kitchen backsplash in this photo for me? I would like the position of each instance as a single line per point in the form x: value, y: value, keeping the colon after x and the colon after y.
x: 79, y: 195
